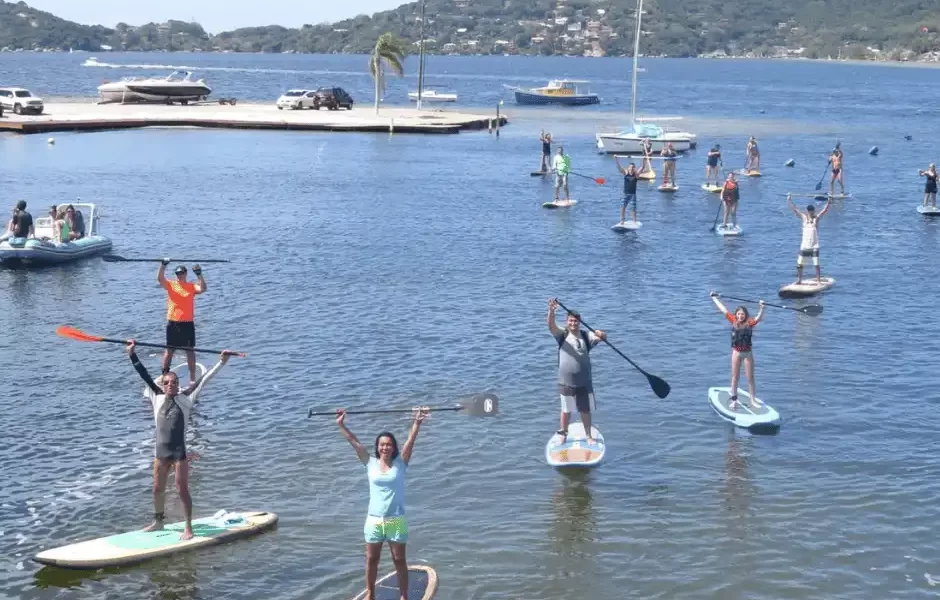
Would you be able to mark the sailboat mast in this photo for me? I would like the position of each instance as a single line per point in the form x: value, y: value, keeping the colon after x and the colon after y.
x: 421, y: 58
x: 636, y: 58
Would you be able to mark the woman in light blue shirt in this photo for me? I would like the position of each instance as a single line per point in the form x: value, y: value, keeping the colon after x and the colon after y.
x: 385, y: 521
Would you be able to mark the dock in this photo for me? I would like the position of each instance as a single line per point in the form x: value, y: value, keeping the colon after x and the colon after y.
x: 90, y: 116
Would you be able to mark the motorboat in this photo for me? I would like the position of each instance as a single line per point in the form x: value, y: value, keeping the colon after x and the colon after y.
x: 44, y: 250
x: 630, y: 140
x: 430, y: 95
x: 558, y: 91
x: 178, y: 86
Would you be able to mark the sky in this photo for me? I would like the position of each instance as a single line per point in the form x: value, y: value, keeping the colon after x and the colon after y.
x: 213, y: 15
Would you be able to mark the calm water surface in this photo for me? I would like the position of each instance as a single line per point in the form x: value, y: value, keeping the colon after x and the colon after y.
x: 378, y: 271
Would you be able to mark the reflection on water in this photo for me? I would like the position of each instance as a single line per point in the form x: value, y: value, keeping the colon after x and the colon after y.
x: 574, y: 524
x: 738, y: 490
x: 178, y: 581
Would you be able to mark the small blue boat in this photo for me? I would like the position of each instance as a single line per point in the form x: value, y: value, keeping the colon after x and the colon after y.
x: 558, y: 91
x: 43, y: 250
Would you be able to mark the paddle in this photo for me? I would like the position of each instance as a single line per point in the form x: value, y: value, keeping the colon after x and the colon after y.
x: 826, y: 170
x: 80, y: 336
x: 721, y: 205
x: 481, y: 405
x: 659, y: 386
x: 812, y: 310
x: 597, y: 180
x: 116, y: 258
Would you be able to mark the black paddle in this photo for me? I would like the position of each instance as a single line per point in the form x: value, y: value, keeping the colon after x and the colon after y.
x: 116, y: 258
x: 819, y: 185
x: 481, y: 405
x: 812, y: 310
x: 659, y: 386
x: 721, y: 204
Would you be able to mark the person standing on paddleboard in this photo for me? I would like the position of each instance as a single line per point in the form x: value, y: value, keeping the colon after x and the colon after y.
x: 753, y: 156
x: 669, y: 164
x: 546, y: 139
x: 385, y: 521
x: 809, y: 244
x: 711, y: 165
x: 729, y: 197
x: 180, y: 308
x: 171, y: 409
x: 838, y: 174
x: 629, y: 189
x: 930, y: 189
x: 561, y: 165
x: 742, y: 329
x: 575, y: 383
x: 647, y: 157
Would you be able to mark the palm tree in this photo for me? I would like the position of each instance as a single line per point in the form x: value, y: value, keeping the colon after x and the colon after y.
x: 391, y: 51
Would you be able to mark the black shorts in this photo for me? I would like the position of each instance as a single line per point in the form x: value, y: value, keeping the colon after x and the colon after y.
x: 181, y: 334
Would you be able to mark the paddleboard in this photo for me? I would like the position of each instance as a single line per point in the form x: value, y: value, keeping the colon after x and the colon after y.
x: 539, y: 173
x: 575, y: 452
x: 711, y: 188
x: 809, y: 287
x: 824, y: 197
x: 647, y: 176
x: 753, y: 173
x: 560, y: 204
x: 182, y: 371
x: 729, y: 230
x: 763, y: 419
x: 668, y: 188
x: 931, y: 211
x: 139, y: 546
x: 627, y: 226
x: 422, y: 585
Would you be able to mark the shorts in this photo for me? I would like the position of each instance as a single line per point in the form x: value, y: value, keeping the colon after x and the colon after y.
x: 835, y: 172
x: 181, y: 334
x: 712, y: 166
x: 808, y: 253
x: 629, y: 200
x: 386, y: 529
x: 576, y: 399
x: 561, y: 179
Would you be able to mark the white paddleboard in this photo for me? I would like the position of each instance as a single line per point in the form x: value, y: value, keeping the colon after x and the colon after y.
x: 138, y: 546
x: 627, y: 226
x: 763, y: 419
x: 708, y: 187
x: 931, y: 211
x: 182, y: 371
x: 668, y: 188
x: 647, y: 176
x: 559, y: 204
x: 728, y: 230
x: 809, y: 287
x: 576, y: 451
x: 422, y: 585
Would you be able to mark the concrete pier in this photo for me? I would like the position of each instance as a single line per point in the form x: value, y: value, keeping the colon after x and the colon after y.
x: 80, y: 116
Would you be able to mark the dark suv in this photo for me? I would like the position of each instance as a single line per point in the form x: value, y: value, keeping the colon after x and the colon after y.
x: 333, y: 99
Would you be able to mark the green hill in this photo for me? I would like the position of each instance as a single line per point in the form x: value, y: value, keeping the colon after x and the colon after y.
x: 873, y: 29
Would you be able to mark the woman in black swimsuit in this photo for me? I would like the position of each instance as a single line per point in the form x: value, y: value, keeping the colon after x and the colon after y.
x: 742, y: 328
x: 930, y: 190
x: 546, y: 139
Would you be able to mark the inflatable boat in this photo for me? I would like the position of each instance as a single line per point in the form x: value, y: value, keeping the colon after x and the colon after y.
x: 44, y: 250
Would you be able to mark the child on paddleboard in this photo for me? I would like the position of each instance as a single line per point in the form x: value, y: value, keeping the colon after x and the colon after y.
x: 742, y: 328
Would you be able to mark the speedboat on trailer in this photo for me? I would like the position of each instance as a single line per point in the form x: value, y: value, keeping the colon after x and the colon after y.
x: 44, y: 250
x: 178, y: 86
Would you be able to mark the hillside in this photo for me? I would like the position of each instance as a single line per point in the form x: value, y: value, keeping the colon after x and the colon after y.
x: 870, y: 29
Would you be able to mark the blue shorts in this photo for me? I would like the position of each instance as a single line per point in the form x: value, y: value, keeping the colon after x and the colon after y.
x: 629, y: 200
x: 386, y: 529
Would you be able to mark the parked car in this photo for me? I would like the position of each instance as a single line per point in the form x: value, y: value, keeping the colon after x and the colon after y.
x: 296, y: 99
x: 333, y: 98
x: 20, y: 101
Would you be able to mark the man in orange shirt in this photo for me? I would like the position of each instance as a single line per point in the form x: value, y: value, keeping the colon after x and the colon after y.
x: 180, y: 305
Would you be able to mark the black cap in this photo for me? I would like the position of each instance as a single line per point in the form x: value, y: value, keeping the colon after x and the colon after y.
x: 811, y: 208
x: 21, y: 205
x: 180, y: 270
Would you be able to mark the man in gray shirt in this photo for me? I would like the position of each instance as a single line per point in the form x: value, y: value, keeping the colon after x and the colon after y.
x: 574, y: 368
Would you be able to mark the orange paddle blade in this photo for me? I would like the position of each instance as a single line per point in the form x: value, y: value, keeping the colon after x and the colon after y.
x: 600, y: 181
x: 76, y: 334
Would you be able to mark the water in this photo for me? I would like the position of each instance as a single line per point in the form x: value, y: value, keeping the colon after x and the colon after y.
x: 378, y: 271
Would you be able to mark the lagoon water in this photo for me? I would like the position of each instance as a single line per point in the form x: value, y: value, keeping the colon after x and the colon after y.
x: 389, y: 271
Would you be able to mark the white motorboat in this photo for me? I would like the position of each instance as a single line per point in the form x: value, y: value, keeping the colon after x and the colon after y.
x: 178, y: 86
x: 429, y: 95
x: 630, y: 141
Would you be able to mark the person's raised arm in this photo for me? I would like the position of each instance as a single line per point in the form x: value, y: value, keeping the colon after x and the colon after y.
x: 619, y: 166
x: 161, y: 272
x: 361, y: 451
x: 793, y: 207
x: 721, y: 307
x: 194, y: 388
x: 552, y: 326
x: 201, y: 285
x: 760, y: 314
x: 825, y: 208
x: 420, y: 415
x: 141, y: 369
